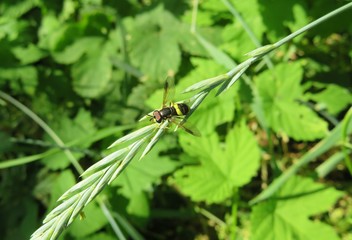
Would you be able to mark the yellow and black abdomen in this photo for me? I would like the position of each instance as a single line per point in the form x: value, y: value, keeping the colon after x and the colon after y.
x: 181, y: 109
x: 176, y: 109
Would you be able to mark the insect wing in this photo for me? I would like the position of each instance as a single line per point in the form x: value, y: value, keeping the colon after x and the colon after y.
x: 188, y: 127
x: 169, y: 91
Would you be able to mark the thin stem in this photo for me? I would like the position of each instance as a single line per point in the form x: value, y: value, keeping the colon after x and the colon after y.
x: 112, y: 221
x: 345, y: 139
x: 234, y: 212
x: 210, y: 216
x: 194, y: 16
x: 330, y: 164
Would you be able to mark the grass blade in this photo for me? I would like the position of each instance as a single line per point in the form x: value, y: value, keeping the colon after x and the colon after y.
x: 136, y: 134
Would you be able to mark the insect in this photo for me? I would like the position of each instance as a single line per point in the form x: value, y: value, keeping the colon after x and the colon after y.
x: 173, y: 112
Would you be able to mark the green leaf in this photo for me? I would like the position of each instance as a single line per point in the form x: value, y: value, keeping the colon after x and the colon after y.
x: 49, y: 31
x: 29, y: 54
x: 287, y: 216
x: 189, y: 42
x: 223, y: 166
x: 92, y: 73
x: 154, y: 43
x: 62, y: 35
x: 68, y: 130
x: 334, y: 98
x: 279, y: 91
x: 75, y: 51
x: 15, y: 9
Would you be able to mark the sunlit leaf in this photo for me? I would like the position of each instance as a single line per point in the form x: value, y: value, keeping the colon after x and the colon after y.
x: 279, y: 91
x: 154, y: 44
x: 74, y: 51
x: 289, y: 213
x: 334, y: 98
x: 29, y: 54
x: 16, y: 9
x: 92, y: 73
x: 222, y: 168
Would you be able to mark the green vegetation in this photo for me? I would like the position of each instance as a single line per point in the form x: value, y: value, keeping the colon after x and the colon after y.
x: 269, y: 92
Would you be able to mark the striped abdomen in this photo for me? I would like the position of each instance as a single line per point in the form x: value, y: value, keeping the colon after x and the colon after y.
x: 177, y: 109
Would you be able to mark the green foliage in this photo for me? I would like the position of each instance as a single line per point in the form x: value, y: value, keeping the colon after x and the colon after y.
x: 154, y: 43
x: 279, y: 91
x: 95, y: 65
x: 288, y: 213
x: 223, y: 167
x: 333, y: 98
x: 86, y: 71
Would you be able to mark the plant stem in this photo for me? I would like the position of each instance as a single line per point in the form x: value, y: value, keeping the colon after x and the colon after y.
x: 234, y: 212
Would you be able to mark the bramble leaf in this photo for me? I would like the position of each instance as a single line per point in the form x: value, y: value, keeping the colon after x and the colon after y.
x: 92, y: 73
x: 154, y: 43
x: 222, y: 169
x: 279, y: 91
x: 73, y: 52
x: 288, y: 214
x: 29, y: 54
x: 334, y: 98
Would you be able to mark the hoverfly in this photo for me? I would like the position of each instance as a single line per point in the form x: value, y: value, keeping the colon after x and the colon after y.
x: 171, y: 111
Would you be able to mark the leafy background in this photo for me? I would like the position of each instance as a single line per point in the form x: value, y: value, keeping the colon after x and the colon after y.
x: 90, y: 69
